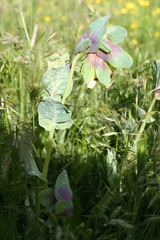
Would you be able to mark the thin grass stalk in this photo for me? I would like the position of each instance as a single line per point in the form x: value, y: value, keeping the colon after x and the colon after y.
x: 23, y: 21
x: 22, y: 103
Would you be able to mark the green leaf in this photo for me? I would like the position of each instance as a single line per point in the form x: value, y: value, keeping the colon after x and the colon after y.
x: 105, y: 47
x: 88, y: 70
x: 116, y: 34
x: 156, y: 77
x: 118, y: 58
x: 31, y: 167
x: 141, y: 112
x: 53, y: 114
x: 81, y: 46
x: 99, y: 24
x: 44, y: 197
x: 97, y: 31
x: 103, y: 73
x: 55, y: 61
x: 142, y: 115
x: 64, y: 206
x: 129, y: 127
x: 54, y: 82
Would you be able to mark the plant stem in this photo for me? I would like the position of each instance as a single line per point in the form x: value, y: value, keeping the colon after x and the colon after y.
x: 49, y: 149
x: 144, y: 123
x: 50, y: 138
x: 70, y: 77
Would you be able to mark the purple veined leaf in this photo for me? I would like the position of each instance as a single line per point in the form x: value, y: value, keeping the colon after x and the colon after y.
x: 97, y: 31
x: 118, y: 58
x: 64, y: 207
x: 103, y: 71
x: 93, y: 36
x: 95, y: 68
x: 48, y: 199
x: 62, y: 187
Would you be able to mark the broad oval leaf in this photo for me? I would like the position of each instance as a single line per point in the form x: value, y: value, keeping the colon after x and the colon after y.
x: 64, y: 207
x: 62, y: 187
x: 47, y: 198
x: 53, y: 114
x: 54, y: 82
x: 116, y: 34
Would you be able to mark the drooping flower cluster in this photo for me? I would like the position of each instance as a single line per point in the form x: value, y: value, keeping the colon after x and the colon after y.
x: 103, y: 53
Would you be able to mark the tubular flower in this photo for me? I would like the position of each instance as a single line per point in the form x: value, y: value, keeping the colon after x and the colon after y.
x: 103, y: 53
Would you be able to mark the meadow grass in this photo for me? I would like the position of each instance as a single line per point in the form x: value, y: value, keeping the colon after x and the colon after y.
x: 115, y: 188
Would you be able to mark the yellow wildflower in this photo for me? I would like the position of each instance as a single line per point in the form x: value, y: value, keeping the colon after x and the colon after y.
x: 133, y: 26
x: 143, y: 3
x: 157, y: 10
x: 130, y: 5
x: 134, y: 42
x: 157, y: 34
x: 63, y: 18
x: 47, y: 18
x: 44, y: 3
x: 154, y: 13
x: 98, y: 1
x: 124, y: 10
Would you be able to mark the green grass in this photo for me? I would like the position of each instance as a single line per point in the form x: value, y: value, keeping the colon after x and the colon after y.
x: 115, y: 191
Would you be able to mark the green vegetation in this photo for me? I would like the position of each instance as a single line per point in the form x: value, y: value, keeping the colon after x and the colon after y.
x: 108, y: 159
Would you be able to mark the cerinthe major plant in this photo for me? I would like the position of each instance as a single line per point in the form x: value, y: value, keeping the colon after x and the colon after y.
x: 98, y: 53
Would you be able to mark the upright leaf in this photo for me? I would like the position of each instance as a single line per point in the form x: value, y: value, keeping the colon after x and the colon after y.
x: 53, y: 114
x: 62, y: 187
x: 54, y: 82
